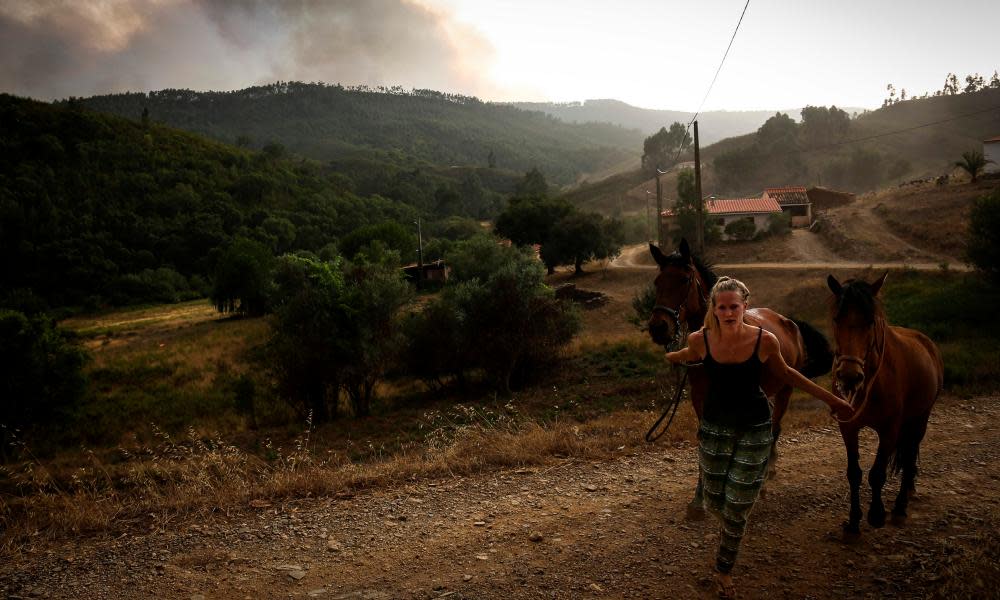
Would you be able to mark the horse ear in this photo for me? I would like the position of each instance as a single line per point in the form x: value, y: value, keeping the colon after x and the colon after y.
x: 878, y: 283
x: 834, y: 285
x: 657, y: 255
x: 685, y: 249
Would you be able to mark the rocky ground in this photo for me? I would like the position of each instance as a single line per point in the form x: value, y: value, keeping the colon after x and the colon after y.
x: 572, y: 529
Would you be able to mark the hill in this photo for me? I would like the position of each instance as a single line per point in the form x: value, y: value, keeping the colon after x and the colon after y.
x: 96, y: 209
x: 388, y: 126
x: 907, y: 141
x: 713, y: 125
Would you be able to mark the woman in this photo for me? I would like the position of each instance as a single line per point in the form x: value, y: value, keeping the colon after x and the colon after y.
x: 735, y: 431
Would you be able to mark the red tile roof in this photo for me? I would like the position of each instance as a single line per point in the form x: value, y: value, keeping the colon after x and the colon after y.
x: 788, y: 195
x: 992, y: 139
x: 735, y: 206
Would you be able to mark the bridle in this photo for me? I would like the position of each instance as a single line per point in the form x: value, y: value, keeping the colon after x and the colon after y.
x: 676, y: 314
x: 877, y: 325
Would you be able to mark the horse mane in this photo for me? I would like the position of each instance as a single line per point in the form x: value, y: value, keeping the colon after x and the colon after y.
x: 704, y: 267
x: 857, y: 295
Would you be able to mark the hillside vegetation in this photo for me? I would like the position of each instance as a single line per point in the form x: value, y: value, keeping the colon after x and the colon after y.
x: 386, y: 126
x: 96, y: 209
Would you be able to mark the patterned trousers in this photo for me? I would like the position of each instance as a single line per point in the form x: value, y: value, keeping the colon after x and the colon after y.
x: 733, y: 466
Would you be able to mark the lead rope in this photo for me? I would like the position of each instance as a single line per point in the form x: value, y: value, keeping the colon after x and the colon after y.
x: 652, y: 435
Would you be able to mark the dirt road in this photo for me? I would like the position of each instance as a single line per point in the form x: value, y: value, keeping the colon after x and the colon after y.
x: 612, y: 529
x: 637, y: 256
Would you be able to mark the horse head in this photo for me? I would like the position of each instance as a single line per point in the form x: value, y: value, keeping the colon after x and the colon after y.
x: 858, y: 332
x: 681, y: 287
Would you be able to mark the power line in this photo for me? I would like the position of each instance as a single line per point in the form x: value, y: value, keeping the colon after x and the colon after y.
x: 717, y: 71
x: 711, y: 85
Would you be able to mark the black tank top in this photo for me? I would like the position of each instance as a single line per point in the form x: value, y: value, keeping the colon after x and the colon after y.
x: 734, y: 393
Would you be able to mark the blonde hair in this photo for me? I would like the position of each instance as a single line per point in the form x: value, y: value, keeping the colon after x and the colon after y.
x: 724, y: 284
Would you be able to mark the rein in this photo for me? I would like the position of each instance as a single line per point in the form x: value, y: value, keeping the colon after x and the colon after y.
x: 675, y: 314
x: 869, y: 381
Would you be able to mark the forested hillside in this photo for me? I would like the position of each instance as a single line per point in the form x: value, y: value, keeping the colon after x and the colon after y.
x: 96, y: 209
x: 713, y: 125
x: 386, y: 126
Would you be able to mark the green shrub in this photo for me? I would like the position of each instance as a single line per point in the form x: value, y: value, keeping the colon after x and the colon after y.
x: 983, y: 246
x: 743, y: 229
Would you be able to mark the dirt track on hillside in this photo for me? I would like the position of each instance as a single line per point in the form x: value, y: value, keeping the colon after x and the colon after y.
x: 612, y: 529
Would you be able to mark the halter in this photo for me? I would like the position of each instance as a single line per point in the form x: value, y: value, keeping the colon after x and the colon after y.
x: 675, y: 313
x: 868, y: 381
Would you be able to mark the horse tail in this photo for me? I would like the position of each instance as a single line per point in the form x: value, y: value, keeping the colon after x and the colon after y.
x: 819, y: 356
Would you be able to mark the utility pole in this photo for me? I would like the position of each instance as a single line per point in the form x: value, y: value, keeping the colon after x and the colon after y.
x: 700, y: 235
x: 649, y: 228
x: 659, y: 209
x: 420, y: 255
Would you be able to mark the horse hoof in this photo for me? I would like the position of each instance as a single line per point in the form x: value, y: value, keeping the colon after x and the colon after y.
x: 851, y: 533
x: 876, y: 519
x: 694, y: 513
x: 897, y: 520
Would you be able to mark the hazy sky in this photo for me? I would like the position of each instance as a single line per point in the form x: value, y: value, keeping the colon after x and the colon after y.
x: 654, y: 54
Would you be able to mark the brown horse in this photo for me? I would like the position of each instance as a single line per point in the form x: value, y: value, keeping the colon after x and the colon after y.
x: 682, y: 289
x: 892, y: 376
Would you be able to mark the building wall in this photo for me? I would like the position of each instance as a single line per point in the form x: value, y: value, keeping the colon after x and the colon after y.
x: 991, y: 151
x: 760, y: 221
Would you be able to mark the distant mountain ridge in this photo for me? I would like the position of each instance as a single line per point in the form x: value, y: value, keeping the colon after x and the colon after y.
x: 406, y: 128
x: 713, y: 125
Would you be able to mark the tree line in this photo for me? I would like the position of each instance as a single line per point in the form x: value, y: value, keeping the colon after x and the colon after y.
x: 384, y: 126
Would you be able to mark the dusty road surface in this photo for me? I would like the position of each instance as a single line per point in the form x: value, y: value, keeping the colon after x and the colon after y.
x: 610, y: 529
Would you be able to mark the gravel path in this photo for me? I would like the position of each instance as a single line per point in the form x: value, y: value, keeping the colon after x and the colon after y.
x: 573, y: 529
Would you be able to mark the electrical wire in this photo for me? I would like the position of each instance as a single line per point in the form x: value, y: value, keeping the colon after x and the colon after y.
x: 711, y: 85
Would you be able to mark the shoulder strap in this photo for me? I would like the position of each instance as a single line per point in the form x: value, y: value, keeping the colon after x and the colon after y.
x: 760, y: 332
x: 708, y: 351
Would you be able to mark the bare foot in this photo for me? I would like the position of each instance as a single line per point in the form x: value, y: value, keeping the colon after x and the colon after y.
x: 724, y: 586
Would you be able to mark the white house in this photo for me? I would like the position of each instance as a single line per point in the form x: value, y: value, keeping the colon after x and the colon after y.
x: 991, y: 151
x: 723, y: 211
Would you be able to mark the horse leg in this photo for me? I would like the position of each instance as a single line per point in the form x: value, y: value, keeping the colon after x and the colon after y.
x: 876, y: 476
x: 696, y: 507
x: 852, y: 528
x: 780, y: 406
x: 907, y: 453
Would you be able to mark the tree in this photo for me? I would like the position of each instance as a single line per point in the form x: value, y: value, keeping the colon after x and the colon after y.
x: 950, y: 85
x: 821, y: 125
x: 528, y: 221
x: 242, y: 280
x: 983, y: 245
x: 972, y: 163
x: 686, y: 210
x: 580, y: 237
x: 973, y: 83
x: 481, y: 256
x: 780, y: 130
x: 995, y: 81
x: 309, y: 344
x: 391, y: 234
x: 660, y: 149
x: 375, y: 295
x: 533, y: 185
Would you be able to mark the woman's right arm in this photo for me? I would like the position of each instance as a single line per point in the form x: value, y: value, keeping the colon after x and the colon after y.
x: 693, y: 352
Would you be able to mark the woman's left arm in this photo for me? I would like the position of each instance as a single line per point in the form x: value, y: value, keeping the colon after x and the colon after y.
x: 770, y: 354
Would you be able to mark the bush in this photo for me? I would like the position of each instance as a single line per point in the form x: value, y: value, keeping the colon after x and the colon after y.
x: 501, y: 318
x: 40, y: 372
x: 779, y: 224
x: 741, y: 230
x: 983, y: 246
